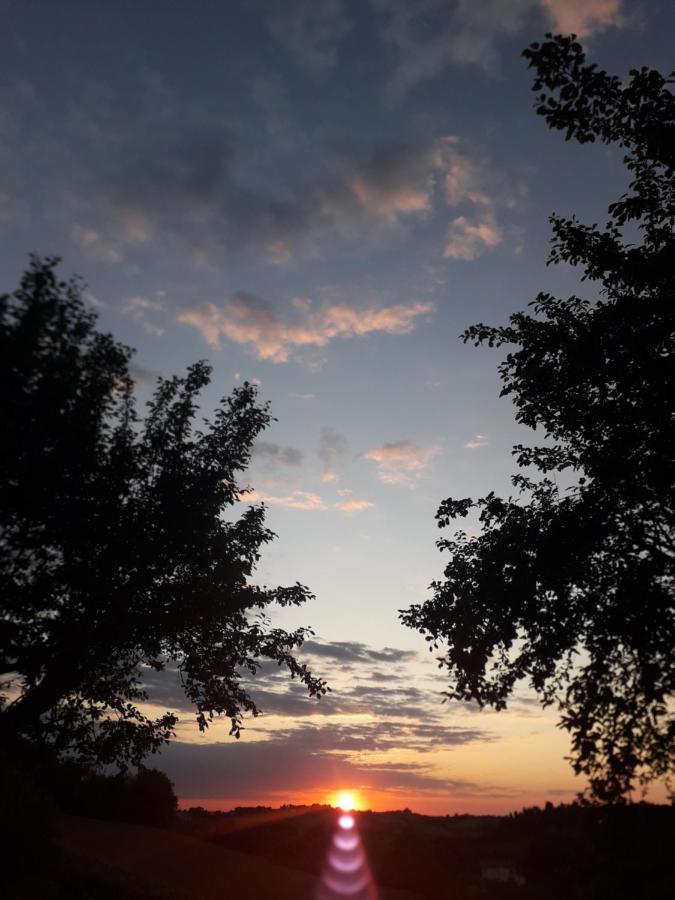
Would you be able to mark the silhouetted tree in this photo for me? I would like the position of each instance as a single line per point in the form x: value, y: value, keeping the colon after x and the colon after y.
x: 572, y: 588
x: 150, y: 798
x: 115, y: 549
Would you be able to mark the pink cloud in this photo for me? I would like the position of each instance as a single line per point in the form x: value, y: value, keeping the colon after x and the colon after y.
x: 353, y: 505
x: 464, y: 177
x: 247, y: 320
x: 466, y: 240
x: 304, y: 500
x: 469, y: 184
x: 139, y: 308
x: 308, y: 501
x: 401, y: 462
x: 583, y: 17
x: 397, y: 183
x: 350, y: 504
x: 388, y: 203
x: 478, y: 440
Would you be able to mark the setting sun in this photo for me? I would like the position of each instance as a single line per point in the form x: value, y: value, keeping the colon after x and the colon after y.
x: 346, y: 801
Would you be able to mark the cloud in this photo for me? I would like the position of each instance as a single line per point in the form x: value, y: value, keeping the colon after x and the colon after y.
x: 353, y: 505
x: 278, y: 252
x: 332, y: 447
x: 273, y: 453
x: 310, y: 31
x: 194, y: 184
x: 355, y: 651
x: 584, y: 17
x: 95, y: 244
x: 397, y: 182
x: 139, y: 307
x: 478, y: 440
x: 307, y: 501
x: 312, y: 759
x: 249, y: 770
x: 275, y: 693
x: 251, y: 321
x: 464, y: 176
x: 401, y: 462
x: 467, y: 184
x: 186, y: 177
x: 466, y: 240
x: 427, y: 35
x: 303, y: 500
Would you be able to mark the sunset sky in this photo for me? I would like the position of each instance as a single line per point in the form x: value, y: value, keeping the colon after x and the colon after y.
x: 320, y: 195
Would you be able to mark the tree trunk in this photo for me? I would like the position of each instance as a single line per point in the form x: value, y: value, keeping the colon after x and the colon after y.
x: 24, y: 713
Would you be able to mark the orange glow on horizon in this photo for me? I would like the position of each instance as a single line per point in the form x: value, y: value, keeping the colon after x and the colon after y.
x: 345, y: 800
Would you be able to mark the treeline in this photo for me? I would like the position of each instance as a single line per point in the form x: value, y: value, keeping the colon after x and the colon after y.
x: 558, y: 852
x: 36, y: 789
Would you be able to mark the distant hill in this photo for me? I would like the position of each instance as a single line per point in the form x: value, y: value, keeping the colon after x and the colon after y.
x: 556, y: 853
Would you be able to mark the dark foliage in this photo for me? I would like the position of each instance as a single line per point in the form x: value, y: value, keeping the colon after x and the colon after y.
x: 115, y: 550
x: 145, y: 797
x: 572, y: 589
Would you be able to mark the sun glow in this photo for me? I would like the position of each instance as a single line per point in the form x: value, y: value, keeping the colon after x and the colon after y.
x: 345, y: 801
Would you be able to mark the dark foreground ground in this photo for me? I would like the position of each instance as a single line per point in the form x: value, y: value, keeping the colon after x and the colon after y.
x: 563, y: 852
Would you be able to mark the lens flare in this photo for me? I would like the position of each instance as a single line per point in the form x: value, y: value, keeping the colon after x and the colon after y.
x: 346, y: 864
x: 347, y: 874
x: 346, y: 841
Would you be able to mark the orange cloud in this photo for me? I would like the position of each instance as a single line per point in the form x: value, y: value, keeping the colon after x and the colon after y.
x: 247, y: 320
x: 463, y: 176
x: 304, y: 500
x: 353, y: 505
x: 350, y: 503
x: 401, y: 462
x: 396, y: 183
x: 389, y: 203
x: 466, y: 184
x: 466, y: 240
x: 308, y: 501
x: 583, y: 17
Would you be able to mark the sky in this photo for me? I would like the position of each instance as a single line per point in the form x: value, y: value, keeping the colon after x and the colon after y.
x: 319, y: 196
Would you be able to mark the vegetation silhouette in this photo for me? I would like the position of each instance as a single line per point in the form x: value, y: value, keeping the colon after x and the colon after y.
x: 571, y: 587
x: 560, y: 852
x: 116, y: 553
x: 144, y: 797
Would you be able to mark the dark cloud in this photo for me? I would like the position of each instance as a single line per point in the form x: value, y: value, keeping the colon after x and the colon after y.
x: 143, y: 377
x: 310, y: 758
x: 406, y: 715
x: 158, y: 168
x: 273, y: 453
x: 164, y: 688
x: 427, y: 37
x: 332, y: 448
x: 272, y: 691
x: 383, y: 735
x: 356, y: 652
x: 310, y: 31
